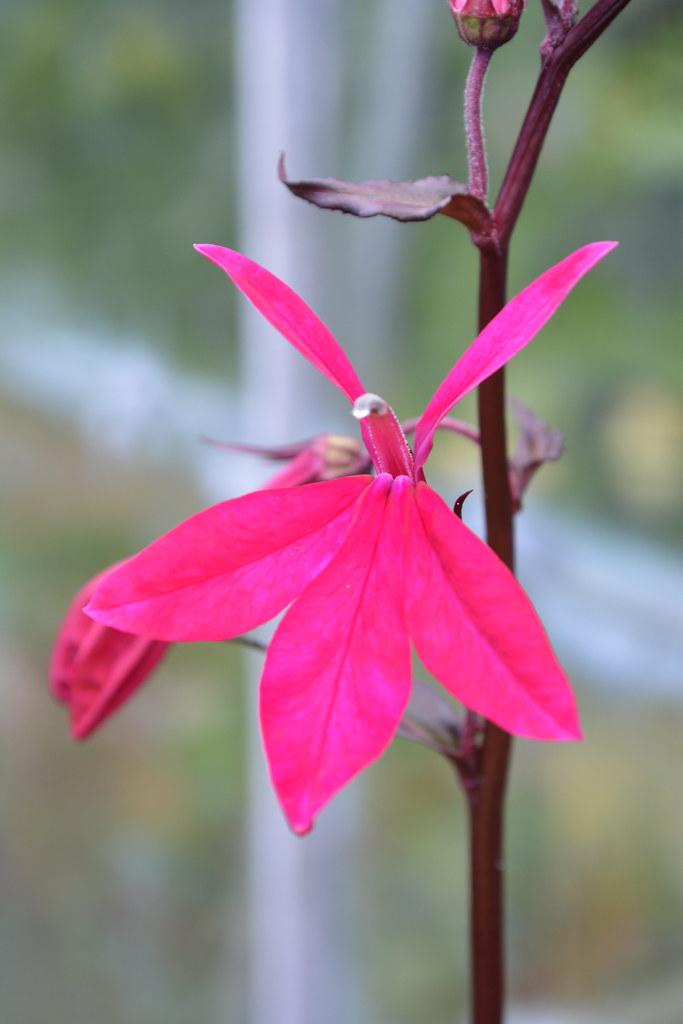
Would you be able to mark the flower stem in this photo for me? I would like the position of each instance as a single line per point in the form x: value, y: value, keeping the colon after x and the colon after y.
x: 486, y: 794
x: 485, y: 778
x: 478, y: 175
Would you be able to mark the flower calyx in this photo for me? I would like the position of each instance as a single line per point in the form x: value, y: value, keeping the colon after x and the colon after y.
x: 486, y: 24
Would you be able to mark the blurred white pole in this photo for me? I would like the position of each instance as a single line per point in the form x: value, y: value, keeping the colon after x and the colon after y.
x: 301, y: 965
x: 275, y: 980
x: 387, y: 143
x: 294, y: 928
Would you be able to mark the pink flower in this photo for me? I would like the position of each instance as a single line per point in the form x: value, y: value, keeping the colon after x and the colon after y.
x: 366, y: 566
x: 95, y: 668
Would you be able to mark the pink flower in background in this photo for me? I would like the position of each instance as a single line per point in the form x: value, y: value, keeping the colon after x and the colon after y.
x: 95, y: 668
x: 324, y: 457
x: 367, y: 565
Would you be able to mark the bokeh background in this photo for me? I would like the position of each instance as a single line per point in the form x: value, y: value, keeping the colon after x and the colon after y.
x: 146, y: 876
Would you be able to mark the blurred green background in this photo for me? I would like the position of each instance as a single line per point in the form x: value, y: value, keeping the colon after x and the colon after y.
x: 122, y: 862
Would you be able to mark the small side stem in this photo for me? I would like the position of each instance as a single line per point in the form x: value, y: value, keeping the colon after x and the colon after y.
x: 478, y: 174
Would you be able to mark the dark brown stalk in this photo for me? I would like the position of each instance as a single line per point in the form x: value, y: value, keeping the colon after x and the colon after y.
x: 485, y: 785
x: 486, y: 792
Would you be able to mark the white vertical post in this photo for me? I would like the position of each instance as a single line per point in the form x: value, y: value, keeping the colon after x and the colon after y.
x: 293, y: 941
x: 275, y: 980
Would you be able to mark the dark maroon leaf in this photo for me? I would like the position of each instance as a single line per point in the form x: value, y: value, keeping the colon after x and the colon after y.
x: 537, y: 442
x: 400, y: 200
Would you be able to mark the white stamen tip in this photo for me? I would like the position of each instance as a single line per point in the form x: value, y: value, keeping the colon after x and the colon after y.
x: 369, y: 405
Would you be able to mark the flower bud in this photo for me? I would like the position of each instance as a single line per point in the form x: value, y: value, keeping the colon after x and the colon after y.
x: 486, y: 24
x: 320, y: 458
x: 94, y: 669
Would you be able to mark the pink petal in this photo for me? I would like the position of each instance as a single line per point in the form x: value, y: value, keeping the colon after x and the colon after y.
x: 95, y: 669
x: 513, y: 328
x: 477, y: 632
x: 289, y: 315
x: 231, y: 567
x: 337, y: 673
x: 304, y: 468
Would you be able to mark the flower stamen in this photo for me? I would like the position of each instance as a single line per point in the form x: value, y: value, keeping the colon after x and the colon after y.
x: 383, y: 436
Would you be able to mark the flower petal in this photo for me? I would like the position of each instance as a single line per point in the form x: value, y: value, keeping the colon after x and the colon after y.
x: 289, y: 315
x: 231, y: 567
x: 475, y: 629
x: 513, y: 328
x: 337, y: 674
x: 94, y: 668
x: 306, y: 467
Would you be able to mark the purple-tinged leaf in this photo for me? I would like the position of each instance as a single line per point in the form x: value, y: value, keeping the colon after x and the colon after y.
x: 537, y: 442
x: 401, y: 200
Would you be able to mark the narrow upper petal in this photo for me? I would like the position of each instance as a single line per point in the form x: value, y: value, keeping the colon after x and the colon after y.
x: 475, y: 629
x: 513, y: 328
x: 94, y: 668
x: 337, y: 673
x: 231, y: 567
x: 289, y: 315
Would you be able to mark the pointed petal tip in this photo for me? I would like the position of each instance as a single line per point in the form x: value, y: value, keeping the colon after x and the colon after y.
x: 573, y: 734
x: 301, y: 828
x: 560, y: 732
x: 101, y: 613
x: 219, y: 254
x: 111, y: 617
x: 601, y: 248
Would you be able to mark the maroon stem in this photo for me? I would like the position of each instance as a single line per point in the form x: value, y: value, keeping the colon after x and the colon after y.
x: 485, y: 784
x: 486, y: 795
x: 478, y: 174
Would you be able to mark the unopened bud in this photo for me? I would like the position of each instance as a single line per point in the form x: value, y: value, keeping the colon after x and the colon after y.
x: 486, y: 24
x: 342, y: 456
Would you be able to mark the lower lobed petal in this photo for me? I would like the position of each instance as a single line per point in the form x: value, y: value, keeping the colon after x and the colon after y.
x: 476, y: 631
x: 337, y: 674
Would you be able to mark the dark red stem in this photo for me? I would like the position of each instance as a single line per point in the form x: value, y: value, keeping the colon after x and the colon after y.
x: 485, y: 781
x: 486, y: 791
